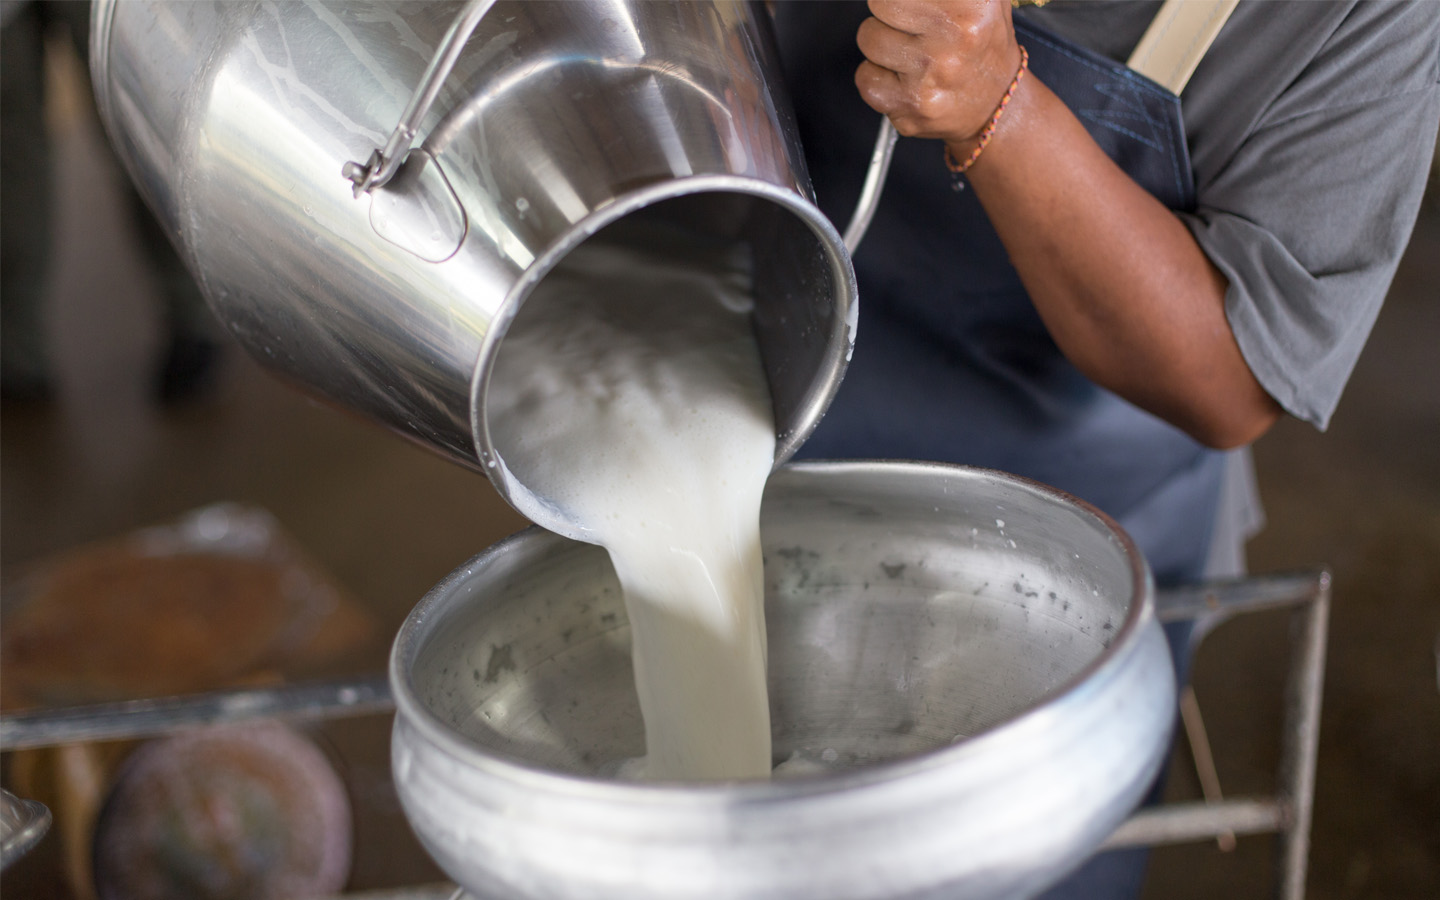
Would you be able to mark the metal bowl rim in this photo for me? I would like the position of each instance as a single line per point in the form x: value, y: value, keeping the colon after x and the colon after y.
x: 1115, y: 656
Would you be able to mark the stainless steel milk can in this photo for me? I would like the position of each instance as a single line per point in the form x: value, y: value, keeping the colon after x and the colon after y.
x: 250, y: 126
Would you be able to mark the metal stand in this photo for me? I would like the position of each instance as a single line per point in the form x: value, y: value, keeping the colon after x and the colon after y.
x: 1288, y: 812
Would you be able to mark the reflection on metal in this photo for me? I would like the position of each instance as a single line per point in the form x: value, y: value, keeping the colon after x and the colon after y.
x: 22, y: 824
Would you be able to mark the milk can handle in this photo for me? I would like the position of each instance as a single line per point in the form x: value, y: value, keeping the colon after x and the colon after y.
x: 383, y: 163
x: 874, y: 181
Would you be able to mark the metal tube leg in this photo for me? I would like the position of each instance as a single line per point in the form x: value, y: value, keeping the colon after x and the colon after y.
x: 1302, y: 739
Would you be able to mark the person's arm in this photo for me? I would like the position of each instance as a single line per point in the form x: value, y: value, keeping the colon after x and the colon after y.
x: 1124, y: 289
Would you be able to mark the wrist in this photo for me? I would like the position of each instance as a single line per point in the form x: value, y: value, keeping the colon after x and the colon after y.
x: 963, y: 153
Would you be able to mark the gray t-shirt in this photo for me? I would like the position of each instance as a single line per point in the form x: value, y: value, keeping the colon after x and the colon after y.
x: 1311, y: 126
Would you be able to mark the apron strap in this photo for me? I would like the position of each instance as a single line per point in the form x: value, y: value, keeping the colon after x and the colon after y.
x: 1178, y: 38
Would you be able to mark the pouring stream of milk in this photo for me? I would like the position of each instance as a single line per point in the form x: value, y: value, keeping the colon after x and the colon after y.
x: 630, y: 395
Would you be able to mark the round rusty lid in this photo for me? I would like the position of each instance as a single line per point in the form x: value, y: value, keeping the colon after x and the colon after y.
x: 237, y: 811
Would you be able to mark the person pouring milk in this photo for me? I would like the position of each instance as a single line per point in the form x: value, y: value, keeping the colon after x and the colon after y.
x: 1078, y: 276
x: 1129, y: 284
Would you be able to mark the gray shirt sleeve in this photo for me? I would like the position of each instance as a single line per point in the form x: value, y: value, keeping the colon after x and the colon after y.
x: 1309, y: 211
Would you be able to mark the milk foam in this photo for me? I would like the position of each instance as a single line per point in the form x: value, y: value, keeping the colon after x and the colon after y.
x: 630, y: 395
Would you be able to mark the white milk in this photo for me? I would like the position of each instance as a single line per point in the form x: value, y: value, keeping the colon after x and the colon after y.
x: 630, y: 395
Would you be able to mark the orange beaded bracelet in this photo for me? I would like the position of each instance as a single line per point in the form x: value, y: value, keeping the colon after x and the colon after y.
x: 986, y: 133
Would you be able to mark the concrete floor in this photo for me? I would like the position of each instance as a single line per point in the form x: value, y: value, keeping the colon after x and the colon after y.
x: 387, y: 521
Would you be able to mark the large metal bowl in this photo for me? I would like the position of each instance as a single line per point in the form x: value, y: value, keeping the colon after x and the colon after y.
x: 974, y: 656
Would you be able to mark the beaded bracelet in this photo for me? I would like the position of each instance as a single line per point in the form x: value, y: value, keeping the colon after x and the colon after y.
x: 960, y: 168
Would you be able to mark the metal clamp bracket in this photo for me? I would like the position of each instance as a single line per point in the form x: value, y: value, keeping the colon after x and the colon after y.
x: 385, y: 162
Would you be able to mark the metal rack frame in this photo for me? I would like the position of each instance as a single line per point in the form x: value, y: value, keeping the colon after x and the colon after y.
x: 1287, y: 813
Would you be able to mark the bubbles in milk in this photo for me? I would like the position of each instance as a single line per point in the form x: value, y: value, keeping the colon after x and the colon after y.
x: 630, y: 396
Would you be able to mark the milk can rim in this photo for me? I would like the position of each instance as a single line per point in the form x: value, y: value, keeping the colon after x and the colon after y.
x: 490, y: 460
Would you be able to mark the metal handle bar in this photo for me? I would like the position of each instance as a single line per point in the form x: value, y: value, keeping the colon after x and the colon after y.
x: 874, y: 181
x: 384, y: 163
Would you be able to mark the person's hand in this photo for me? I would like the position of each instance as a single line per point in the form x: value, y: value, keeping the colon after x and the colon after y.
x: 937, y: 69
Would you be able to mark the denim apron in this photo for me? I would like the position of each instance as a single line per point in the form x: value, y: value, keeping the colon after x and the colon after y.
x: 952, y: 361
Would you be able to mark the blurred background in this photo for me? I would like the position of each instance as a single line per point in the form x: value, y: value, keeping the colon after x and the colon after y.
x: 370, y: 523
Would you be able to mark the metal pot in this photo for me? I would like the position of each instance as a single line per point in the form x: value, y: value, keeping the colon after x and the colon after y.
x: 973, y: 660
x: 244, y: 123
